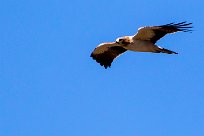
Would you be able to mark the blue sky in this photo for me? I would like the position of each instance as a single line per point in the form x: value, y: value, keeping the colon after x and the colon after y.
x: 49, y: 85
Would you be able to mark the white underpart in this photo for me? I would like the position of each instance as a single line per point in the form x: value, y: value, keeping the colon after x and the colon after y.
x: 142, y: 46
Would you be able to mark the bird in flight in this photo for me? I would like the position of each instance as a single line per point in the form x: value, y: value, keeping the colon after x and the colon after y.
x: 143, y: 41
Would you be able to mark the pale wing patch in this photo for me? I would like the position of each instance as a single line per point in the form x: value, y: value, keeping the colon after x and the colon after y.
x: 145, y: 33
x: 103, y: 47
x: 154, y: 33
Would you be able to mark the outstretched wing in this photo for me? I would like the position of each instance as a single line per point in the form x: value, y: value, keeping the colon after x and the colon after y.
x: 154, y: 33
x: 105, y: 53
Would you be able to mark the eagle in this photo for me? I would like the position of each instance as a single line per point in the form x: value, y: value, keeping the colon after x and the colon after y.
x: 143, y: 41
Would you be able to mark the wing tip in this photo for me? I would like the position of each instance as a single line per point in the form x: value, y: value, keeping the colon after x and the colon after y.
x: 103, y: 64
x: 182, y: 26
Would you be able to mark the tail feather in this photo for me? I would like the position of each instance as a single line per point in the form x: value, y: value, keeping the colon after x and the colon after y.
x: 163, y: 50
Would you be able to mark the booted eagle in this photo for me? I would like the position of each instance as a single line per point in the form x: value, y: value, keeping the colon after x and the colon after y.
x: 143, y: 41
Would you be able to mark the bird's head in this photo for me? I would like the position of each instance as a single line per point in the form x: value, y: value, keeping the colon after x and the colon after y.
x: 124, y: 40
x: 119, y: 40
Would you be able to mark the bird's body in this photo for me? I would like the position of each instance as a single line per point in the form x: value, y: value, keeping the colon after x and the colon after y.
x: 141, y: 46
x: 144, y: 46
x: 143, y: 41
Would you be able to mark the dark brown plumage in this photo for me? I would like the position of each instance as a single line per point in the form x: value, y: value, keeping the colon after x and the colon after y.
x: 106, y: 58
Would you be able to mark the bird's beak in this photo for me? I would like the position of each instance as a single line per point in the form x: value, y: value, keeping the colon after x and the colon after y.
x: 117, y: 41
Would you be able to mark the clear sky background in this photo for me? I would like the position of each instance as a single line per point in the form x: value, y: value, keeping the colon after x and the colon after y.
x: 49, y: 85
